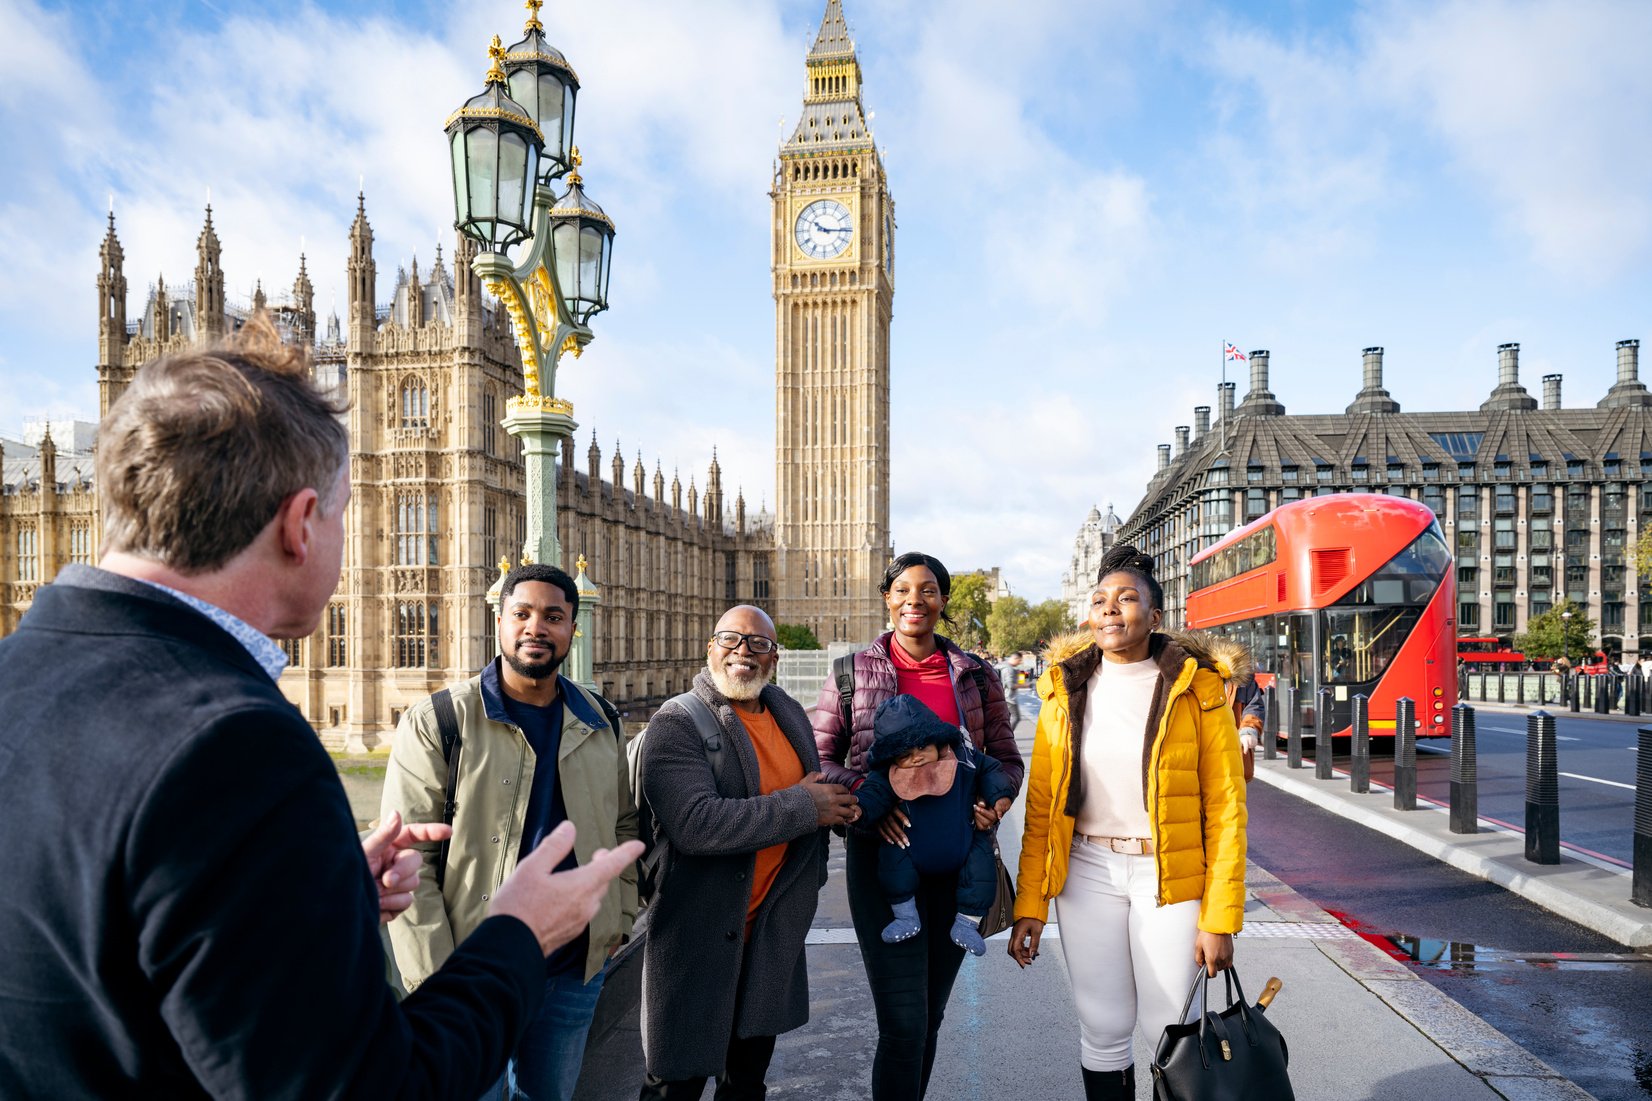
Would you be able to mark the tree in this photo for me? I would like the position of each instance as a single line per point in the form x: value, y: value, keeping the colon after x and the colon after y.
x: 795, y: 636
x: 1013, y: 624
x: 1640, y: 555
x: 968, y: 607
x: 1563, y: 631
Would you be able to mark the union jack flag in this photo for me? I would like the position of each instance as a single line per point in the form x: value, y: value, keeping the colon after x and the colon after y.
x: 1231, y: 351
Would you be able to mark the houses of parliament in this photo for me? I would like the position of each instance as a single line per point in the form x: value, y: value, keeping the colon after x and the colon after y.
x: 437, y: 484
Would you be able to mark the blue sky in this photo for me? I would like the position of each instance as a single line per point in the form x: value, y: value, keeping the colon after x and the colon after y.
x: 1092, y: 196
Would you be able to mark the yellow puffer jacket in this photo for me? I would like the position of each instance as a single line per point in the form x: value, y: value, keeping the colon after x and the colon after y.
x: 1195, y: 784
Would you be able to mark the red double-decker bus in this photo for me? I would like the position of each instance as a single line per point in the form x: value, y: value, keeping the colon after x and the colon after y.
x: 1354, y: 592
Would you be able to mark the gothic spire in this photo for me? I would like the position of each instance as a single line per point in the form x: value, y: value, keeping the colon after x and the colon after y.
x: 832, y: 42
x: 209, y: 281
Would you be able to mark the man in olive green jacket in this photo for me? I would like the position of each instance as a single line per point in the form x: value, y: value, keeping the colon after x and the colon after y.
x: 534, y: 749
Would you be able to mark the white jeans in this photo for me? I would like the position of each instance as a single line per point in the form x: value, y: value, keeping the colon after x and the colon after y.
x: 1127, y: 957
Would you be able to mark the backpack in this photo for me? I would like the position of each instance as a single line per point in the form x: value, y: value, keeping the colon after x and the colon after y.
x: 650, y: 870
x: 843, y: 671
x: 447, y: 725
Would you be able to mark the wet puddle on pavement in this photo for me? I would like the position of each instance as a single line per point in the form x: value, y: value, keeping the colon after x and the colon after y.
x: 1454, y: 955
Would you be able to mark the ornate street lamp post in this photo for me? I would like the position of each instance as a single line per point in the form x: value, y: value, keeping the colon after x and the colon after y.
x: 510, y: 146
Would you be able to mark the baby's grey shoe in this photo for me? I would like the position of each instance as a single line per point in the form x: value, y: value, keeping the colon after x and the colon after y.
x: 906, y: 924
x: 966, y: 934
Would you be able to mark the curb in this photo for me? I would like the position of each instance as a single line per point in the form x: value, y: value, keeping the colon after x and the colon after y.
x: 1507, y: 1068
x: 1500, y: 859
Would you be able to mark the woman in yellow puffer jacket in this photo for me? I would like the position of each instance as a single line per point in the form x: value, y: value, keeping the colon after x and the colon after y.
x: 1135, y: 820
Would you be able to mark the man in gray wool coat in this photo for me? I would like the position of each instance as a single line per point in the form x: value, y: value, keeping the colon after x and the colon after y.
x: 724, y: 970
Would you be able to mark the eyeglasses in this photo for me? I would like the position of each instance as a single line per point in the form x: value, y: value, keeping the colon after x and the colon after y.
x: 757, y: 644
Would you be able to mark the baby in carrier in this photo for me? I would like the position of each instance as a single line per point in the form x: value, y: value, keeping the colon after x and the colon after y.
x: 935, y: 775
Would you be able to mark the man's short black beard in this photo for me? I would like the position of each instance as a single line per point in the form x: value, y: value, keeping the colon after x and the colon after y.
x: 538, y: 671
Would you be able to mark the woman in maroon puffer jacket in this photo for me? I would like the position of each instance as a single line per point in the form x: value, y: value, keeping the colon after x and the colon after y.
x: 912, y: 979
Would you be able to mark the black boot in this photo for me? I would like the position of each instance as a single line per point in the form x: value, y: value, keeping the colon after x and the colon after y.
x: 1110, y: 1085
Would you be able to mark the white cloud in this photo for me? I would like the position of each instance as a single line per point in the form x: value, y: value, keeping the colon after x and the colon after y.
x: 1543, y: 105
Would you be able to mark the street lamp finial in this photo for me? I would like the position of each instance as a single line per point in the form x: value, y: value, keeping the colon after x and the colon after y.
x: 574, y: 178
x: 533, y: 7
x: 496, y: 71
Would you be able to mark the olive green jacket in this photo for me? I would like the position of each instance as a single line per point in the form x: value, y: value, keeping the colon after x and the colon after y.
x: 496, y: 767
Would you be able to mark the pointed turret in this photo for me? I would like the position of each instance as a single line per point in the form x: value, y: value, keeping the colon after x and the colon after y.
x: 415, y: 297
x: 638, y: 475
x: 832, y: 115
x: 618, y: 467
x: 693, y: 498
x: 362, y: 280
x: 111, y: 298
x: 593, y: 463
x: 48, y: 463
x: 304, y: 302
x: 259, y: 301
x: 714, y: 492
x: 676, y: 491
x: 467, y: 294
x: 163, y: 312
x: 659, y: 483
x: 112, y: 373
x: 209, y: 282
x: 740, y: 511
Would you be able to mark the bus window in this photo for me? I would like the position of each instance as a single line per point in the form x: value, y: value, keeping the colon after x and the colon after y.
x: 1360, y: 642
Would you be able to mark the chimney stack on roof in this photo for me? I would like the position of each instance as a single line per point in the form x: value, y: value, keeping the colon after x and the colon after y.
x: 1551, y: 391
x: 1260, y: 402
x: 1201, y: 421
x: 1224, y: 402
x: 1164, y: 456
x: 1509, y: 395
x: 1628, y: 390
x: 1181, y: 440
x: 1372, y: 398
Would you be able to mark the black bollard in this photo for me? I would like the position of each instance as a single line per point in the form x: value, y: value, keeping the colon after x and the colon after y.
x: 1501, y: 680
x: 1640, y: 892
x: 1405, y: 754
x: 1600, y: 688
x: 1465, y: 772
x: 1520, y: 688
x: 1632, y: 692
x: 1359, y: 750
x: 1270, y: 722
x: 1462, y: 682
x: 1574, y: 689
x: 1542, y: 790
x: 1322, y: 736
x: 1293, y: 741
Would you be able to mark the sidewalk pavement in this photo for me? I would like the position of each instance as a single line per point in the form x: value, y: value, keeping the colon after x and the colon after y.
x: 1592, y: 894
x: 1360, y: 1025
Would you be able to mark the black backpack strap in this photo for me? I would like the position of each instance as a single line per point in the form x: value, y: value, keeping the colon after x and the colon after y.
x: 843, y: 671
x: 447, y: 724
x: 709, y: 729
x: 611, y: 715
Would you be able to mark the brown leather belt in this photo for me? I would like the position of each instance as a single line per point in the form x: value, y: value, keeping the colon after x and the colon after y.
x: 1129, y: 846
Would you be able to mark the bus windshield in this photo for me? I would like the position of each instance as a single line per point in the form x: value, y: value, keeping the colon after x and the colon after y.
x: 1364, y: 630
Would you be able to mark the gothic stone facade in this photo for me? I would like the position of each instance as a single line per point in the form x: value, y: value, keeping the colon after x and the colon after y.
x: 1539, y: 503
x: 436, y: 497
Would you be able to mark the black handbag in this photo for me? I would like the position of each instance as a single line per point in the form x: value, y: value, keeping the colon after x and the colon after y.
x: 1234, y: 1055
x: 1001, y: 914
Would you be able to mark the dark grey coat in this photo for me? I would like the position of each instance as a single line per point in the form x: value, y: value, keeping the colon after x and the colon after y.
x: 697, y: 966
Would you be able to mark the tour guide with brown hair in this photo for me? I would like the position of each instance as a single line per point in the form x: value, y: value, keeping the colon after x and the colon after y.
x: 187, y: 911
x: 535, y: 749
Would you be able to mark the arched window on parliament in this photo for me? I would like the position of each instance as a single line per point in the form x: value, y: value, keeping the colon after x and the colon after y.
x: 416, y: 530
x: 415, y: 642
x: 294, y: 649
x: 337, y: 649
x: 80, y: 542
x: 415, y: 404
x: 28, y: 561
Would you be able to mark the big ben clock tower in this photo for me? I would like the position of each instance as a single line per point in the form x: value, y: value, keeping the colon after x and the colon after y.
x: 834, y: 282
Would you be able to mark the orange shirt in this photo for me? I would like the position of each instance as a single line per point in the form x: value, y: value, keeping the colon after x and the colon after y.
x: 778, y: 767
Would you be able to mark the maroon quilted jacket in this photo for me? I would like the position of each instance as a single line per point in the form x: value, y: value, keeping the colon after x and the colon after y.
x: 843, y: 752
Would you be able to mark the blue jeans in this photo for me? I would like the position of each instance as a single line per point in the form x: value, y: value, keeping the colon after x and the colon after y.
x: 545, y: 1064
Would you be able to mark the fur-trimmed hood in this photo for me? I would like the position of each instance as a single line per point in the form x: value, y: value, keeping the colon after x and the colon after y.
x: 1227, y: 658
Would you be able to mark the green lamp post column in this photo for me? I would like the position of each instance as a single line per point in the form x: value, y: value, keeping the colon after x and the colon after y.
x: 501, y: 160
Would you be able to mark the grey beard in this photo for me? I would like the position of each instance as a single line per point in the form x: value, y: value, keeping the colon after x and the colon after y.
x: 738, y: 690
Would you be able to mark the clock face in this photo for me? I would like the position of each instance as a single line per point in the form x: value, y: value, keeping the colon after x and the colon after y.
x: 824, y: 229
